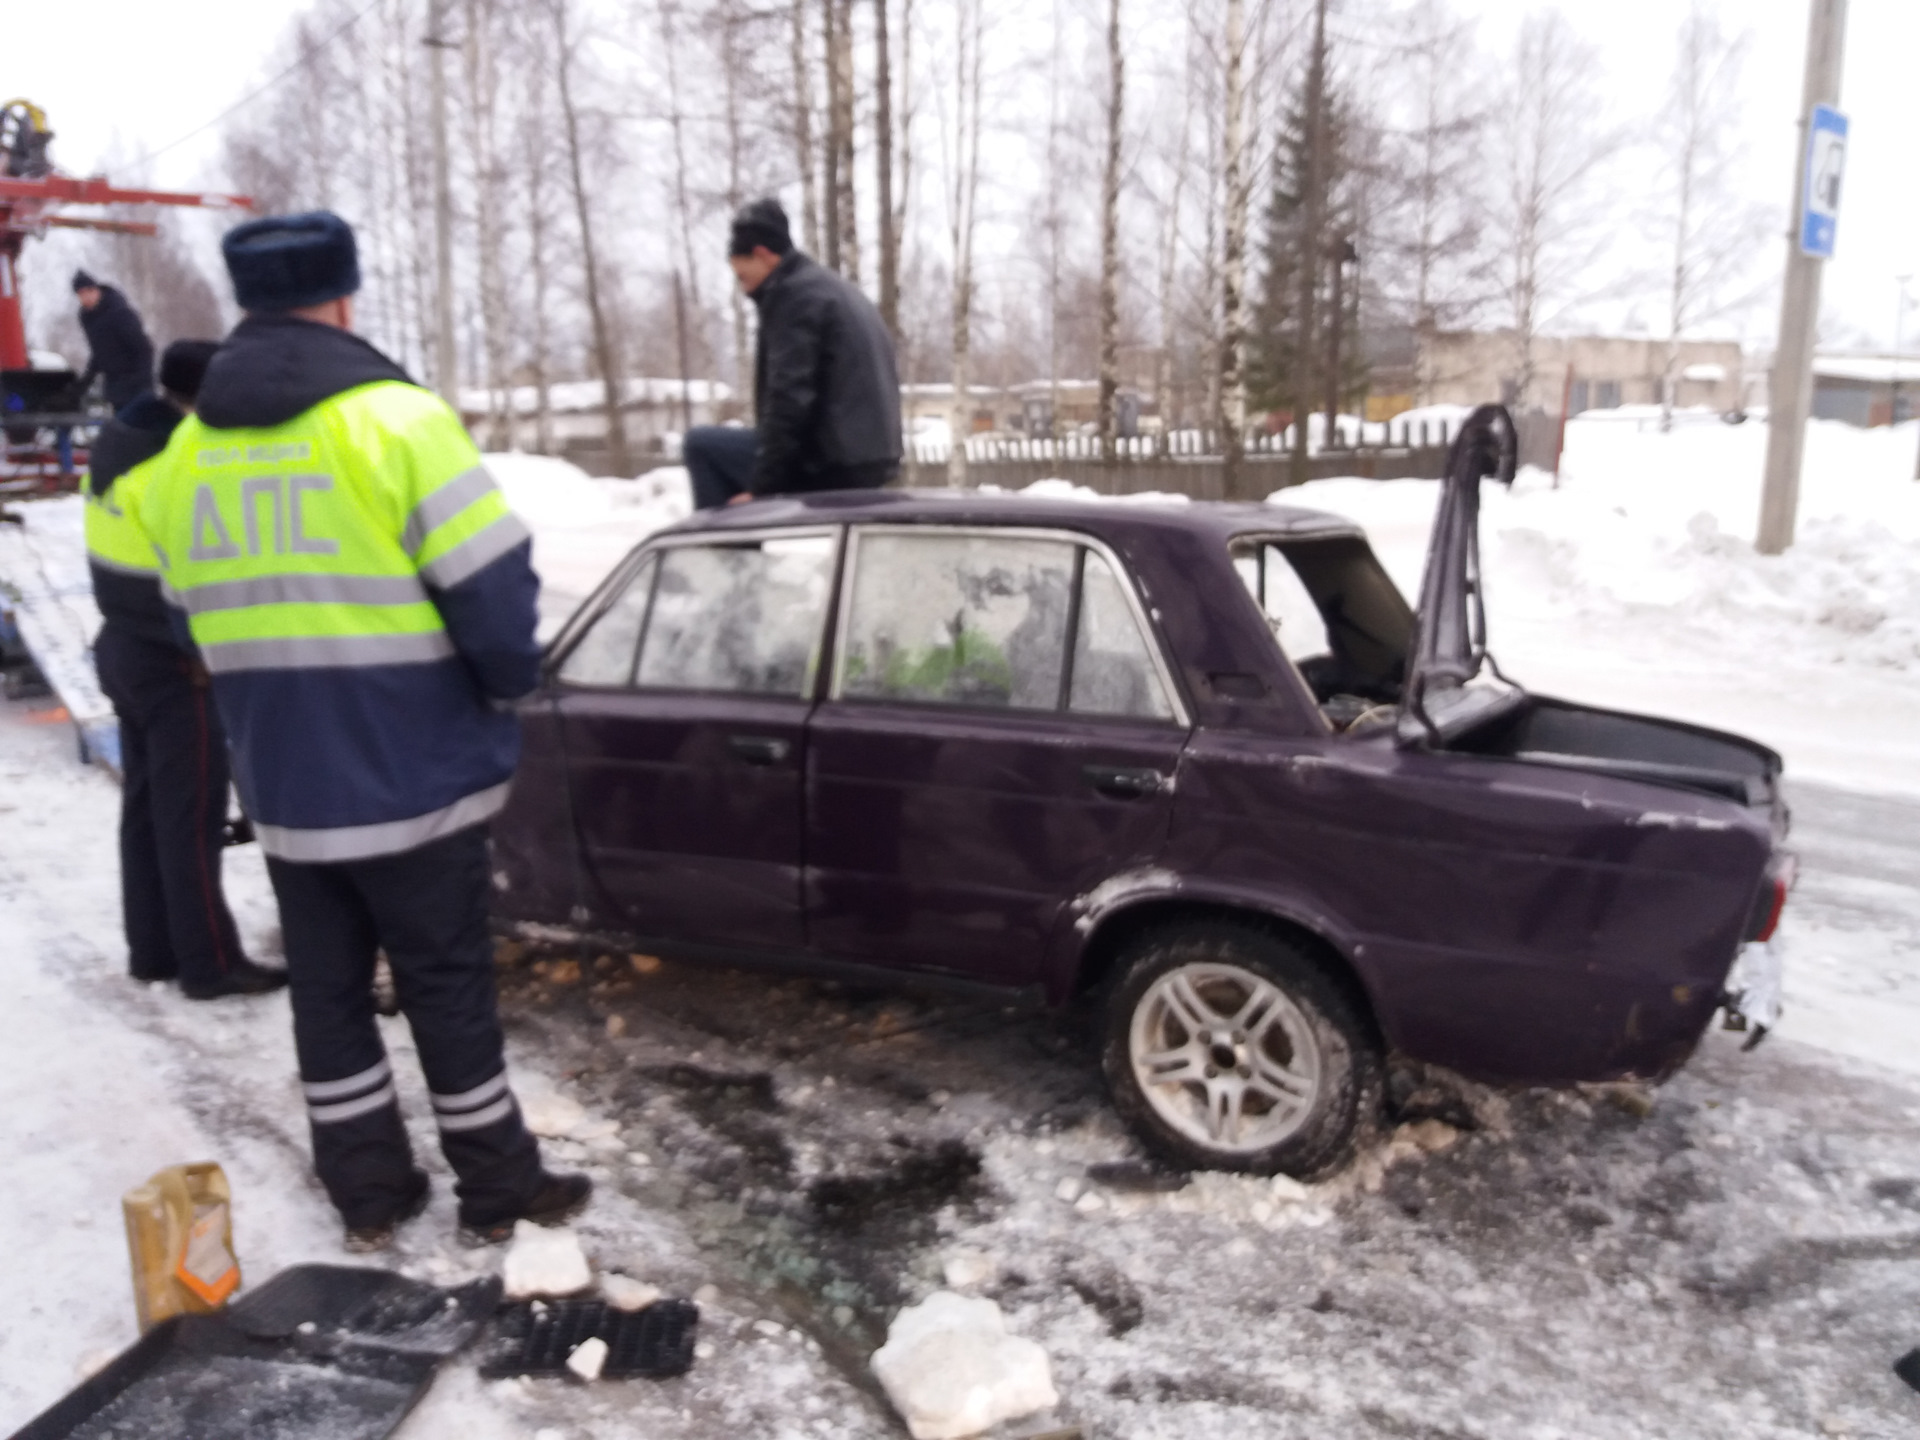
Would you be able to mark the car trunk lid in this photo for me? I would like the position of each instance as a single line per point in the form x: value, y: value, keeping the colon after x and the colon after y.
x: 1450, y: 637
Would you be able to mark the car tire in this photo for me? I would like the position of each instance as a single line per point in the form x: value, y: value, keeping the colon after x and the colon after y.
x: 1229, y: 1047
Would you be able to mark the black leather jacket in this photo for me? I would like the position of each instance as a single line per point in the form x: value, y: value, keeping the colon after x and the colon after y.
x: 117, y: 343
x: 826, y: 393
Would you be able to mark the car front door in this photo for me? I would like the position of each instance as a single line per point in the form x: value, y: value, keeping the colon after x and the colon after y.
x: 683, y: 710
x: 1000, y: 736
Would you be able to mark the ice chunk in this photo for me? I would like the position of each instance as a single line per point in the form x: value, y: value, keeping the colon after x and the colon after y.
x: 1288, y: 1190
x: 967, y: 1268
x: 546, y: 1110
x: 951, y: 1369
x: 623, y: 1292
x: 544, y: 1262
x: 587, y: 1358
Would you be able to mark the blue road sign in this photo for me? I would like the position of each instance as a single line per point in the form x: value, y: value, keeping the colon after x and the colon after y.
x: 1826, y: 161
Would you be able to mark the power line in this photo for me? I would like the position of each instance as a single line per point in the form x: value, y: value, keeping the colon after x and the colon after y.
x: 256, y: 93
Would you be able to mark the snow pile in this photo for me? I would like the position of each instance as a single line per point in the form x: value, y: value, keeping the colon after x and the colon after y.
x: 1055, y: 487
x: 547, y: 492
x: 583, y: 527
x: 544, y: 1262
x: 951, y: 1369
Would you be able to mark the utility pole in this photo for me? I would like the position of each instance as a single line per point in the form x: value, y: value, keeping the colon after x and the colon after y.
x: 445, y: 376
x: 1791, y: 391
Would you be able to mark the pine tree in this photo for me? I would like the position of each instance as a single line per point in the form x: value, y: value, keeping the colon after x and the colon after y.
x: 1276, y: 339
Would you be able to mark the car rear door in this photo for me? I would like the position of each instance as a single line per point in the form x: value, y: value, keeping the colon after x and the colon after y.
x: 999, y: 737
x: 683, y: 711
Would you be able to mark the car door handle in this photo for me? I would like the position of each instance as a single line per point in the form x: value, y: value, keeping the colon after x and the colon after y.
x: 759, y: 749
x: 1124, y: 783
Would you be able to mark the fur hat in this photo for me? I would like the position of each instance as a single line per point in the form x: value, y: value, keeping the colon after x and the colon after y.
x: 288, y: 262
x: 182, y: 366
x: 760, y: 222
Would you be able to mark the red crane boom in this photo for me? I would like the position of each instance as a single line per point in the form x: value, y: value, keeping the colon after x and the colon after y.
x: 31, y: 192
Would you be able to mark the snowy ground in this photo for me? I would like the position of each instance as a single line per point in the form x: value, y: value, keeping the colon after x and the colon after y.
x: 1737, y: 1262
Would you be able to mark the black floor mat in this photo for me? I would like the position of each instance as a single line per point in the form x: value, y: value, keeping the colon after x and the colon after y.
x: 535, y: 1339
x: 319, y: 1350
x: 1907, y: 1367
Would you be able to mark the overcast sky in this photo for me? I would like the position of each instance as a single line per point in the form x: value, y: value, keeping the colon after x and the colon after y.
x: 125, y: 79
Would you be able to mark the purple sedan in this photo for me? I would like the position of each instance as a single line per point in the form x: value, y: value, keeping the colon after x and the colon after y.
x: 1201, y: 761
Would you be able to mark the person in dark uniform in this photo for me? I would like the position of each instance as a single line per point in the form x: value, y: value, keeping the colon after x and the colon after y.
x: 826, y: 393
x: 365, y: 601
x: 118, y: 349
x: 173, y: 753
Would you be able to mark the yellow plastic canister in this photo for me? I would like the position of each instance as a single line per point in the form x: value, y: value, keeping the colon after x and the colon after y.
x: 180, y: 1239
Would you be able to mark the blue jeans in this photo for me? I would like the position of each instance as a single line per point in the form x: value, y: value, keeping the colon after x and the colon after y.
x: 720, y: 463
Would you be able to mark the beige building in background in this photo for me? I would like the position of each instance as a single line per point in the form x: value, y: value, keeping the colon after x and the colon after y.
x: 1474, y: 367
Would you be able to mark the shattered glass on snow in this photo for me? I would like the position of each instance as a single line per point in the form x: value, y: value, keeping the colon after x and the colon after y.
x: 959, y: 619
x: 743, y: 617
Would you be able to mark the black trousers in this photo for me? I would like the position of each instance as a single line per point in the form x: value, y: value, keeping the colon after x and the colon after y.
x: 173, y: 807
x: 427, y: 908
x: 720, y: 460
x: 124, y: 387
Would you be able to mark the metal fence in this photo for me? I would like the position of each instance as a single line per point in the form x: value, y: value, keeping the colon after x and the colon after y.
x: 1191, y: 462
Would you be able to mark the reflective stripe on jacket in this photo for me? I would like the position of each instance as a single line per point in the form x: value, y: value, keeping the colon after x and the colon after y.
x: 360, y: 592
x: 120, y: 557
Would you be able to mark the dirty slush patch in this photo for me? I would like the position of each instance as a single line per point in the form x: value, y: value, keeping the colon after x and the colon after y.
x: 1732, y: 1255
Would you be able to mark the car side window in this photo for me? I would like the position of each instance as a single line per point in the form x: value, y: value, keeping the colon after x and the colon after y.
x: 1012, y: 622
x: 1284, y: 599
x: 604, y: 656
x: 959, y: 619
x: 1113, y: 670
x: 742, y: 616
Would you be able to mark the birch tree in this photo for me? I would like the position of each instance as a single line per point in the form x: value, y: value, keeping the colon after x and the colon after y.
x: 1110, y: 238
x: 1715, y: 231
x: 1233, y: 253
x: 605, y: 349
x: 889, y: 246
x: 803, y: 129
x: 1554, y: 141
x: 969, y: 27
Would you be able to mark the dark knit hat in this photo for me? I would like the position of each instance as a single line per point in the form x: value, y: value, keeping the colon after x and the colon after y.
x: 83, y: 281
x: 760, y: 222
x: 182, y: 366
x: 288, y: 262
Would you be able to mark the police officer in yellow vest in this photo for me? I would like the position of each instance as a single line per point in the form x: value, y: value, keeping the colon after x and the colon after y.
x: 364, y: 600
x: 173, y: 753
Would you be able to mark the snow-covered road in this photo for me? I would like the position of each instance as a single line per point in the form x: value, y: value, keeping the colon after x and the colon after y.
x: 1737, y: 1263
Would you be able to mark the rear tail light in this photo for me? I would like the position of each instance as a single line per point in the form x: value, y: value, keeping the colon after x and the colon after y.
x: 1772, y: 900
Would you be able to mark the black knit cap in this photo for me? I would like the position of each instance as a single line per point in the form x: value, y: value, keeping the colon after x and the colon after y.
x: 760, y: 222
x: 183, y: 364
x: 83, y: 281
x: 288, y: 262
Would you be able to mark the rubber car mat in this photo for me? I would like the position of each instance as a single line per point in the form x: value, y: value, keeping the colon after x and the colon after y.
x: 319, y: 1350
x: 654, y: 1343
x: 1907, y: 1367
